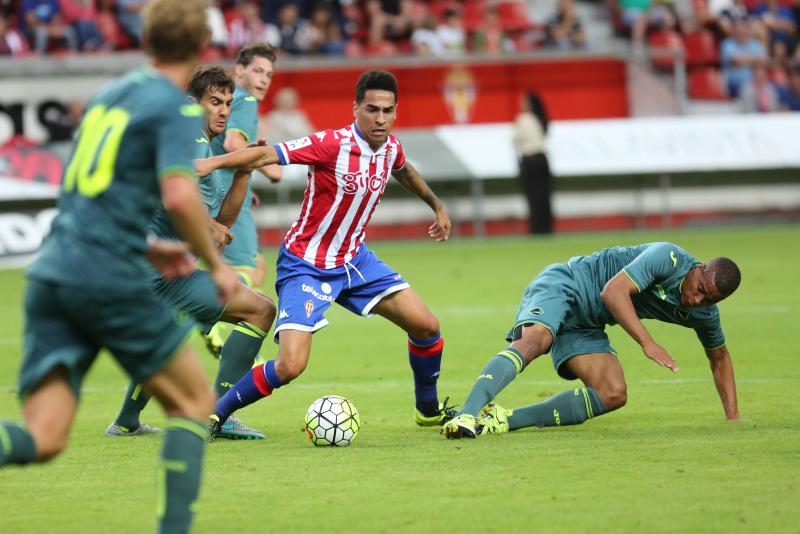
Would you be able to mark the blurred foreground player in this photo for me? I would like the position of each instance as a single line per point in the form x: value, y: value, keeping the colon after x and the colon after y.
x: 90, y: 290
x: 564, y: 311
x: 324, y: 258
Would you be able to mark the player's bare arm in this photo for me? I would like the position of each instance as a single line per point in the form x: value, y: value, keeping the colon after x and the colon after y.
x: 413, y: 181
x: 722, y: 370
x: 246, y: 159
x: 171, y: 258
x: 235, y: 141
x: 616, y: 296
x: 234, y: 199
x: 182, y: 202
x: 220, y: 234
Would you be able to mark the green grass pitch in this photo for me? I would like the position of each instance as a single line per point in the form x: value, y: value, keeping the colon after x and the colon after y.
x: 666, y: 462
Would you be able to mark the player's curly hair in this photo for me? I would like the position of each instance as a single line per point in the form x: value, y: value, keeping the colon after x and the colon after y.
x: 175, y: 30
x: 210, y: 78
x: 727, y: 276
x: 249, y: 52
x: 375, y: 79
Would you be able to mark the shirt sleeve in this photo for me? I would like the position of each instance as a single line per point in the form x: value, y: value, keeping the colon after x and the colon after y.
x: 709, y: 332
x: 315, y: 149
x: 244, y: 118
x: 175, y: 144
x: 400, y: 160
x: 657, y: 263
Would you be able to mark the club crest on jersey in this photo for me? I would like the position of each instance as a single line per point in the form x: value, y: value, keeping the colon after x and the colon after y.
x: 681, y: 314
x: 309, y: 307
x: 298, y: 143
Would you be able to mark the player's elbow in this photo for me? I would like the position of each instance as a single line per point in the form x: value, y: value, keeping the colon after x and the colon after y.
x: 177, y: 195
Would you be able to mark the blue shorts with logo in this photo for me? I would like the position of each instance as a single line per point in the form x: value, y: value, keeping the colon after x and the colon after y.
x: 306, y: 292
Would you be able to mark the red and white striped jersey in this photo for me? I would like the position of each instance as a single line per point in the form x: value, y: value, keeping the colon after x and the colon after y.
x: 346, y: 180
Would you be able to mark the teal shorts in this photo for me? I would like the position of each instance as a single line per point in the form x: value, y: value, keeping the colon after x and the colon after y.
x: 67, y: 326
x: 243, y: 250
x: 195, y: 295
x: 549, y: 300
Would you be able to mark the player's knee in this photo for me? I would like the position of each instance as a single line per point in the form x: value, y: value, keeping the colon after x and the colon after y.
x: 49, y: 444
x: 427, y: 328
x: 533, y: 344
x: 614, y: 396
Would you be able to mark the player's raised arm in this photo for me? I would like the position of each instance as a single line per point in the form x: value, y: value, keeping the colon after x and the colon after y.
x: 722, y: 371
x: 408, y: 176
x: 246, y: 159
x: 234, y: 199
x: 616, y: 296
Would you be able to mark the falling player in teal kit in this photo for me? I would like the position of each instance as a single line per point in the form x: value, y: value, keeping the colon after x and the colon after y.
x: 252, y: 313
x: 564, y: 312
x: 89, y: 288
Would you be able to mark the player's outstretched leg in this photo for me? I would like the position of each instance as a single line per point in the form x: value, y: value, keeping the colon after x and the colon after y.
x: 261, y: 380
x: 182, y: 389
x: 127, y: 422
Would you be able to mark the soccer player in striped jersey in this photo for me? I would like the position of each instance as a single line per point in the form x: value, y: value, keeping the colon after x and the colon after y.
x: 89, y: 287
x: 324, y: 258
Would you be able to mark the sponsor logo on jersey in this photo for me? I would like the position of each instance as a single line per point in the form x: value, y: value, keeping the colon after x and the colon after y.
x: 326, y: 288
x: 298, y: 143
x: 661, y: 292
x: 319, y: 296
x: 192, y: 110
x: 673, y: 258
x: 309, y: 307
x: 360, y: 181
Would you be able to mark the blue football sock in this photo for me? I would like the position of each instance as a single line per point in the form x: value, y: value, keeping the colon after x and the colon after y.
x: 425, y: 357
x: 256, y: 384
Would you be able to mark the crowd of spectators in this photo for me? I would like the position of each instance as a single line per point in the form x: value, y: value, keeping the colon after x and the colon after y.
x: 754, y: 43
x: 300, y: 27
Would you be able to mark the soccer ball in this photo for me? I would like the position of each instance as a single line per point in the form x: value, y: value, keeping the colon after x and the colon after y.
x: 332, y: 421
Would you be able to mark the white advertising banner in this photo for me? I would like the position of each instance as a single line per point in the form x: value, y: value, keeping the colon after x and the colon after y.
x: 638, y: 146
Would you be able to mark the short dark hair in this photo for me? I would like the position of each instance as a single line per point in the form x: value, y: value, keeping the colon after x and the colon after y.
x: 210, y: 77
x: 375, y: 79
x: 727, y: 276
x: 249, y: 52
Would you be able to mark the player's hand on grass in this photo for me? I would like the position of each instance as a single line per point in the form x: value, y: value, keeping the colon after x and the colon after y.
x: 440, y: 229
x: 221, y: 235
x: 226, y: 280
x: 658, y: 354
x: 171, y: 258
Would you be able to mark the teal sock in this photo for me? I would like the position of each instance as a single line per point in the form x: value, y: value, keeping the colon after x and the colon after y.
x: 16, y: 445
x: 132, y: 406
x: 497, y: 374
x: 238, y: 354
x: 179, y: 474
x: 571, y: 407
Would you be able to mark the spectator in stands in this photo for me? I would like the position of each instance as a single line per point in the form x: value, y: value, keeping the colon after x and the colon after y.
x: 635, y: 18
x: 12, y: 43
x: 81, y: 15
x: 247, y: 27
x: 759, y: 95
x: 217, y: 25
x: 389, y: 20
x: 490, y: 37
x: 739, y: 54
x: 318, y: 36
x: 287, y: 120
x: 779, y: 21
x: 564, y: 30
x: 790, y: 96
x: 290, y: 25
x: 451, y: 32
x: 425, y: 41
x: 129, y: 14
x: 530, y: 135
x: 42, y: 22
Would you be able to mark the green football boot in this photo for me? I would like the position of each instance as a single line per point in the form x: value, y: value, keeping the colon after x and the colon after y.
x: 114, y: 430
x: 213, y: 343
x: 493, y: 419
x: 461, y: 426
x: 444, y: 414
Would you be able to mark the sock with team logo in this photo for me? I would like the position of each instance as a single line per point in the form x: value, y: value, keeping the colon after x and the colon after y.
x: 497, y: 374
x: 571, y: 407
x: 179, y: 473
x: 16, y: 444
x: 132, y: 406
x: 425, y: 357
x: 238, y: 354
x: 256, y: 384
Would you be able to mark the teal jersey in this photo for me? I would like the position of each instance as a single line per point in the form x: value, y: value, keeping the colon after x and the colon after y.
x: 136, y: 130
x: 211, y: 191
x: 243, y: 119
x: 658, y: 270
